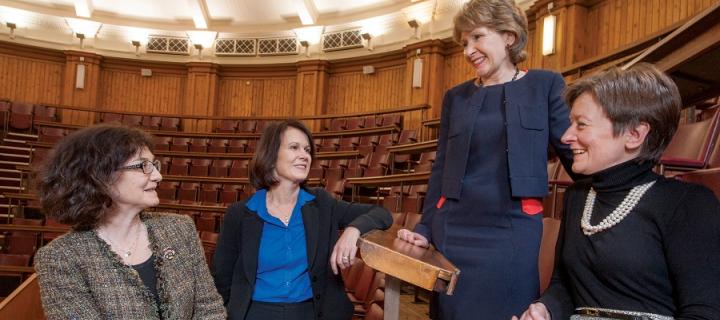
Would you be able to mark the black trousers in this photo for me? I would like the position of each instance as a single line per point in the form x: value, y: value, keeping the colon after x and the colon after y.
x: 280, y: 311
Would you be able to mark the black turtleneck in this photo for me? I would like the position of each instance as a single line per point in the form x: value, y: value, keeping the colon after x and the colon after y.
x: 663, y: 257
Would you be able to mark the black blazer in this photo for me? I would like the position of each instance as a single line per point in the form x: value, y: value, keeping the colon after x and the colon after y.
x: 235, y: 262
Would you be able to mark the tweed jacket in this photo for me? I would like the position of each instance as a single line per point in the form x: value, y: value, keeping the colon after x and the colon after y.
x: 236, y: 255
x: 81, y: 278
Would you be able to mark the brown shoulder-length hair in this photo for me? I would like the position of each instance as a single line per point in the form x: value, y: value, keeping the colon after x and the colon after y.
x: 262, y: 166
x: 499, y: 15
x: 74, y: 184
x: 642, y: 93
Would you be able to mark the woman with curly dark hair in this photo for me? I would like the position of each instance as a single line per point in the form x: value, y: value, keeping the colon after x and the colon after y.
x: 118, y: 262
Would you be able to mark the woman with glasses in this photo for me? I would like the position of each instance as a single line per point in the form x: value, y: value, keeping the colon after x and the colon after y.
x: 118, y: 262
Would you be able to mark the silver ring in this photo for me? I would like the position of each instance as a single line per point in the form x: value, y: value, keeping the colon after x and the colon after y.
x: 345, y: 258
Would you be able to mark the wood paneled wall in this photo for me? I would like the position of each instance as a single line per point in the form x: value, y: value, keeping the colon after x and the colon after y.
x: 242, y: 97
x: 31, y: 80
x: 350, y: 92
x: 593, y: 28
x: 123, y: 90
x: 621, y: 22
x: 586, y: 29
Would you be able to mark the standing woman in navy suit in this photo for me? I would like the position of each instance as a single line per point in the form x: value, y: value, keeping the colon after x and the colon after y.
x: 483, y: 209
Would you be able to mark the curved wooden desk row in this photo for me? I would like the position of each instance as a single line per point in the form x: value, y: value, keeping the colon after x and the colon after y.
x: 220, y: 208
x: 324, y: 155
x: 98, y: 110
x: 238, y: 135
x: 391, y: 180
x: 413, y: 148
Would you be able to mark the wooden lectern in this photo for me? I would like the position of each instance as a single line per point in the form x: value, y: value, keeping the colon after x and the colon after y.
x: 400, y: 260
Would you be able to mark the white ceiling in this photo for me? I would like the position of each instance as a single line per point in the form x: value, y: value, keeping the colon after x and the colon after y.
x: 43, y: 21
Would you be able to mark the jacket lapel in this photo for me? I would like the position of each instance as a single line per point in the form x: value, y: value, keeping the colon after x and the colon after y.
x: 311, y: 221
x: 252, y: 227
x: 156, y: 236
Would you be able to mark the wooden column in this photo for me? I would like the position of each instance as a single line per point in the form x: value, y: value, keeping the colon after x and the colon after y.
x: 311, y: 89
x: 87, y: 66
x: 431, y: 90
x: 201, y: 95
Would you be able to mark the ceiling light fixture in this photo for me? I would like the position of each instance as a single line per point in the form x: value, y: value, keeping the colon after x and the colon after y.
x: 368, y: 39
x: 416, y: 26
x: 305, y: 45
x: 199, y: 48
x: 12, y: 27
x: 80, y: 36
x: 203, y: 38
x: 136, y: 44
x: 87, y: 28
x: 310, y: 34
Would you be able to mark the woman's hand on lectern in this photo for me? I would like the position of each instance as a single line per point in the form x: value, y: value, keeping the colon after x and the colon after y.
x: 412, y: 237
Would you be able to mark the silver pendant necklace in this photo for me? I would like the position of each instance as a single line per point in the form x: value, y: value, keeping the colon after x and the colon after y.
x: 622, y: 210
x: 125, y: 253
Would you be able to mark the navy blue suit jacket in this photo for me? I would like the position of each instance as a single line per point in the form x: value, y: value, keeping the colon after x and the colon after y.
x: 535, y: 116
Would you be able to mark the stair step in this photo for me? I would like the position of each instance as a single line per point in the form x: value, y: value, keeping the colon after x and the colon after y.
x: 14, y: 163
x: 28, y: 149
x: 10, y: 188
x: 24, y: 135
x: 15, y: 143
x: 17, y: 157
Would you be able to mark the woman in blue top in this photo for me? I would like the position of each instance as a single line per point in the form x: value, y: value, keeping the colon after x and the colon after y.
x: 277, y: 249
x: 483, y: 208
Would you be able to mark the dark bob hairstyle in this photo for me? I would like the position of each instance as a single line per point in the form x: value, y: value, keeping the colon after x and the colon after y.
x: 74, y: 184
x: 262, y: 167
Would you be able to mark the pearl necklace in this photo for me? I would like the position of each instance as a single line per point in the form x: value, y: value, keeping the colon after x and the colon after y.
x: 630, y: 201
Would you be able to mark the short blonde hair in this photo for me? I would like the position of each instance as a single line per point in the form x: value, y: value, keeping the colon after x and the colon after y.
x: 500, y: 15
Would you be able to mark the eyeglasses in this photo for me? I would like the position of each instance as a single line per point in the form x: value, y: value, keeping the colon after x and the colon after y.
x: 147, y: 166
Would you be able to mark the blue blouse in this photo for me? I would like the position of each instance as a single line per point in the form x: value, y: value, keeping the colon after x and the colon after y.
x: 282, y: 272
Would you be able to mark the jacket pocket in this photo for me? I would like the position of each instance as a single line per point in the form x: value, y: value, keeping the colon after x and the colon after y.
x: 532, y: 117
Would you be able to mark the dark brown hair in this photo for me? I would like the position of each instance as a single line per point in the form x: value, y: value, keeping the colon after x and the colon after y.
x: 262, y: 166
x: 629, y: 97
x: 499, y: 15
x: 75, y: 181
